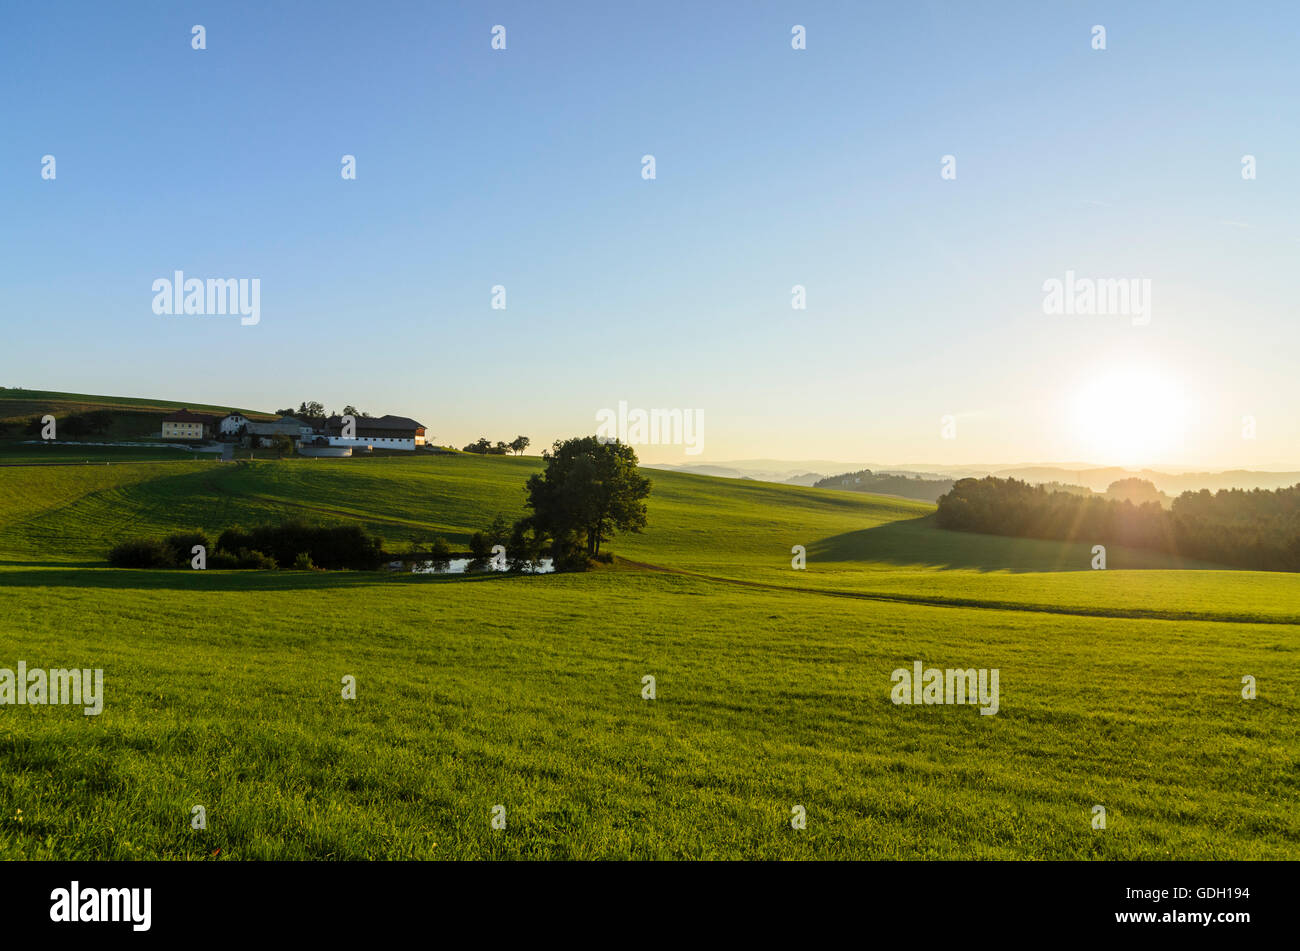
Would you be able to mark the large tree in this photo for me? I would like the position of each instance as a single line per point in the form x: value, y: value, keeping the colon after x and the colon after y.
x: 589, y: 490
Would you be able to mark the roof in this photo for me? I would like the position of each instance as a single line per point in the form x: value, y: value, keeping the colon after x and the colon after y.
x: 286, y: 426
x: 390, y: 422
x: 368, y: 425
x: 185, y: 416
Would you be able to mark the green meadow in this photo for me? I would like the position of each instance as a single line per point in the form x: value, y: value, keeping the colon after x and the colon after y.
x: 1120, y: 688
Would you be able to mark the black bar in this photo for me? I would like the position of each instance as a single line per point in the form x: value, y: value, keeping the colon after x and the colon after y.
x: 962, y: 901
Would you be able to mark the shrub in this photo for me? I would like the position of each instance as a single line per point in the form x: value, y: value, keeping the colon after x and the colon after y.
x: 256, y: 560
x: 267, y: 546
x: 181, y: 546
x: 333, y: 547
x: 141, y: 553
x: 222, y: 560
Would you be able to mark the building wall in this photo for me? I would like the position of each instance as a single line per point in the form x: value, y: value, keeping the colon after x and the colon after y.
x: 326, y: 452
x: 377, y: 442
x: 182, y: 430
x: 231, y: 424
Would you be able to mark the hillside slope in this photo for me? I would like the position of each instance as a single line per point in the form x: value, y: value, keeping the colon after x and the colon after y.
x: 223, y: 688
x: 735, y: 530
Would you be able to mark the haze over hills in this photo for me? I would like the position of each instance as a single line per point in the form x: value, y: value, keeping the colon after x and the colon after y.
x: 136, y: 415
x: 1097, y: 478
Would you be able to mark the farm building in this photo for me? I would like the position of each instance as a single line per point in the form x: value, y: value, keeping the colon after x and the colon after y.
x: 261, y: 434
x: 186, y: 425
x: 377, y: 432
x: 231, y: 423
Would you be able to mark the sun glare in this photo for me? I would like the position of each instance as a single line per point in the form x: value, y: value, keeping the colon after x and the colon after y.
x: 1130, y: 416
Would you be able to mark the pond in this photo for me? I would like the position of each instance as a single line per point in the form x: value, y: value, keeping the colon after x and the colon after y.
x: 458, y: 566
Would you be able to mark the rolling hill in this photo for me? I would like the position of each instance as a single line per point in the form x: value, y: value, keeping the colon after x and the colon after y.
x: 132, y: 418
x: 1120, y: 687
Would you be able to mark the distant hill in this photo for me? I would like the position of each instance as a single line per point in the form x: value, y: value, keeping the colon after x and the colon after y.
x: 887, y: 483
x: 759, y: 473
x: 132, y: 417
x: 15, y: 400
x: 1096, y: 478
x: 783, y: 476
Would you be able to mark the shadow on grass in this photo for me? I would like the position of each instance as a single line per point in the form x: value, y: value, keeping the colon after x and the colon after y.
x: 921, y: 543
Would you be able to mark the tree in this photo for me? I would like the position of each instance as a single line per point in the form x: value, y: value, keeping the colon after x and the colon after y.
x: 310, y: 410
x: 1134, y: 490
x: 589, y: 490
x: 281, y: 444
x: 498, y: 533
x: 519, y: 444
x: 524, y: 550
x: 440, y: 552
x: 480, y: 550
x: 482, y: 447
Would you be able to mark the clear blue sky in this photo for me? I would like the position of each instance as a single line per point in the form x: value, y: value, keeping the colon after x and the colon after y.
x: 775, y: 167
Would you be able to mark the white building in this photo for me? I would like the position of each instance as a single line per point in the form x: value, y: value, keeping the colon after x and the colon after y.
x: 231, y: 423
x: 377, y: 432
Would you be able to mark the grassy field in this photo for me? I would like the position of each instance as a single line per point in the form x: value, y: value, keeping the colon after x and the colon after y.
x: 1118, y: 687
x: 23, y: 453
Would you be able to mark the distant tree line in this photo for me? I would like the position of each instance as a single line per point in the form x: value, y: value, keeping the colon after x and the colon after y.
x: 312, y: 409
x: 1257, y: 528
x: 94, y: 423
x: 485, y: 448
x: 909, y: 487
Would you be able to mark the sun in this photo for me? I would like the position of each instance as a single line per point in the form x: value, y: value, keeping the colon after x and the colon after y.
x: 1129, y: 416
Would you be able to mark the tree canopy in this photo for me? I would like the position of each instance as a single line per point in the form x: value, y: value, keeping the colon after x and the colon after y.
x: 589, y: 490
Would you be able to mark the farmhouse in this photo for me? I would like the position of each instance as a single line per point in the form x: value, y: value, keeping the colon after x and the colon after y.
x: 231, y: 423
x: 377, y: 432
x: 186, y: 425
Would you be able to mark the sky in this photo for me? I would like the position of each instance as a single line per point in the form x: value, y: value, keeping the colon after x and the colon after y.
x: 924, y: 338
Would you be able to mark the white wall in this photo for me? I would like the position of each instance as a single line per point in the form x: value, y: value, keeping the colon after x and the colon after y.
x: 375, y: 442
